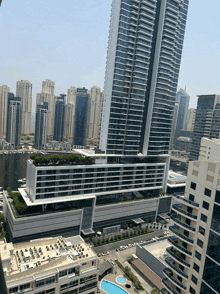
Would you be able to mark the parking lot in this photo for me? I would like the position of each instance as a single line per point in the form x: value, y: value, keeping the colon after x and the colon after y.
x: 122, y: 245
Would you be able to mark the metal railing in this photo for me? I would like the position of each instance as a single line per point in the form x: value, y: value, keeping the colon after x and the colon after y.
x: 172, y: 229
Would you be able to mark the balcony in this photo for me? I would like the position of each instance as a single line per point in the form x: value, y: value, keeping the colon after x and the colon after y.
x: 173, y: 241
x: 171, y: 263
x: 174, y: 229
x: 169, y: 286
x: 176, y: 207
x: 167, y: 272
x: 164, y: 291
x: 178, y: 221
x: 186, y: 201
x: 174, y: 253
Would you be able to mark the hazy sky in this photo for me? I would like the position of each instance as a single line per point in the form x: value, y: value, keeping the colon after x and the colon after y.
x: 66, y: 42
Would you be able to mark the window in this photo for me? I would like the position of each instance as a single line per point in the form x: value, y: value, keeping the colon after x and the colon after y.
x: 205, y: 205
x: 191, y: 290
x: 207, y: 192
x: 52, y: 290
x: 193, y: 186
x: 217, y: 197
x: 63, y: 273
x: 191, y: 197
x: 45, y: 281
x: 25, y: 286
x: 196, y: 267
x: 200, y: 243
x: 64, y: 286
x: 12, y: 290
x: 198, y: 255
x: 202, y: 231
x: 203, y: 218
x: 186, y: 233
x: 71, y: 270
x: 194, y: 279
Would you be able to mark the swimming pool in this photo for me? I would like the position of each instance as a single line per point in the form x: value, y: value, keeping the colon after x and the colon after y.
x: 121, y: 280
x: 112, y: 288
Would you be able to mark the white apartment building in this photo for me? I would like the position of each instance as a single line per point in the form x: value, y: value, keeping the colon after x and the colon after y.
x: 50, y: 266
x: 194, y: 263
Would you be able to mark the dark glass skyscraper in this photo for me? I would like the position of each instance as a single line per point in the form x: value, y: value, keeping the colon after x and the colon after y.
x: 41, y: 125
x: 81, y: 117
x: 14, y: 119
x: 207, y: 122
x: 143, y: 62
x: 59, y: 118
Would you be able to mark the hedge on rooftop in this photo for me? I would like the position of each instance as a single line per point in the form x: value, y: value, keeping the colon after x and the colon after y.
x: 72, y: 159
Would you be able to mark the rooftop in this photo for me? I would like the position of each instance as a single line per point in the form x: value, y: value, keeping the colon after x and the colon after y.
x: 25, y: 259
x: 158, y: 249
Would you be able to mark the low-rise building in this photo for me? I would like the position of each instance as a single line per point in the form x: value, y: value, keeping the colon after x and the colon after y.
x: 53, y: 265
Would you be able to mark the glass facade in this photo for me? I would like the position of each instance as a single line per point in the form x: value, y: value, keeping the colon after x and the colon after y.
x: 136, y: 93
x: 215, y: 225
x: 41, y: 125
x: 59, y: 118
x: 81, y: 117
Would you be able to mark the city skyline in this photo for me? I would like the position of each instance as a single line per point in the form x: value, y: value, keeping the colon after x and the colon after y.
x: 87, y: 67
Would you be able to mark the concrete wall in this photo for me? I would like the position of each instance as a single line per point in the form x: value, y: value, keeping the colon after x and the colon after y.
x: 57, y: 222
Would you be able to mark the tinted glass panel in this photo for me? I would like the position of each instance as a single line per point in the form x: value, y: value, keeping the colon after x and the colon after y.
x: 211, y: 274
x: 217, y: 197
x: 205, y: 289
x: 213, y: 249
x: 215, y: 225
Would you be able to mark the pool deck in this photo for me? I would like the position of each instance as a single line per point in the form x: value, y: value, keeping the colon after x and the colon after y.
x: 112, y: 278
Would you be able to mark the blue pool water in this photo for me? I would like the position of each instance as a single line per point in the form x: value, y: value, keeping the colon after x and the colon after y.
x: 121, y: 280
x: 112, y: 288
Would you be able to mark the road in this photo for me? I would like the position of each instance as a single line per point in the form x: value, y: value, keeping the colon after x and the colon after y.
x: 115, y: 245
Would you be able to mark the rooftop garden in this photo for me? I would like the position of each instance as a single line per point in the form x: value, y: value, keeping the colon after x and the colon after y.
x: 72, y: 159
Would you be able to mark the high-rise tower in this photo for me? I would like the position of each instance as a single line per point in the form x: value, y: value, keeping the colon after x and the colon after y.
x: 3, y: 108
x: 59, y: 118
x: 24, y: 91
x: 70, y: 113
x: 81, y: 122
x: 143, y: 61
x: 95, y: 116
x: 41, y: 125
x: 194, y: 258
x: 14, y: 120
x: 183, y: 99
x: 47, y: 95
x: 207, y: 122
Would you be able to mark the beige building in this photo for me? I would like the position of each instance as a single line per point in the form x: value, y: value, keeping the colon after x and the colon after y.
x: 70, y: 113
x: 194, y: 262
x: 47, y: 95
x: 190, y: 119
x: 95, y: 116
x: 24, y: 91
x: 3, y: 108
x: 52, y: 265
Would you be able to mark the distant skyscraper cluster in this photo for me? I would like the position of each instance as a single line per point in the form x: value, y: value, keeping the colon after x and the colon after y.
x: 15, y: 112
x: 76, y: 119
